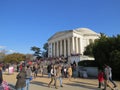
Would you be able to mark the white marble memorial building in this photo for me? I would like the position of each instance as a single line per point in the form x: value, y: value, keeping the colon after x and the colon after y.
x: 65, y: 43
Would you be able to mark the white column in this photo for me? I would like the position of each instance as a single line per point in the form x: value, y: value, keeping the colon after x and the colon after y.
x: 73, y: 46
x: 60, y: 47
x: 57, y: 49
x: 81, y: 46
x: 76, y: 45
x: 54, y: 49
x: 64, y: 47
x: 68, y: 46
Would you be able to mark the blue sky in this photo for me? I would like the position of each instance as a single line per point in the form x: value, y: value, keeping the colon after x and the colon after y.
x: 27, y: 23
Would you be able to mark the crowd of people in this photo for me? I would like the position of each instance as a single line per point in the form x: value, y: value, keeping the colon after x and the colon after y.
x: 56, y: 71
x: 27, y: 71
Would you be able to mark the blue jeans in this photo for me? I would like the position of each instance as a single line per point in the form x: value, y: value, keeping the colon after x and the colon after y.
x: 21, y: 88
x: 27, y: 84
x: 75, y: 74
x: 60, y: 79
x: 49, y: 75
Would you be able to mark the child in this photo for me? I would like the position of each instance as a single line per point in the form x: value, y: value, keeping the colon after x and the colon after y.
x: 100, y: 78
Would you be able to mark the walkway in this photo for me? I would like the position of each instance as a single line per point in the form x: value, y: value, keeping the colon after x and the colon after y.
x: 41, y: 83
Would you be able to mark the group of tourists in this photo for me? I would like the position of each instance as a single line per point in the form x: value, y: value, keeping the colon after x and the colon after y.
x: 56, y: 71
x: 105, y: 77
x: 56, y: 74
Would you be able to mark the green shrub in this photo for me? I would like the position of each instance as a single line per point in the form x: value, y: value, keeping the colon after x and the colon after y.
x: 88, y: 63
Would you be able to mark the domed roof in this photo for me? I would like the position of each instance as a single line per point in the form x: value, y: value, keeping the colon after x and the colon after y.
x: 85, y: 31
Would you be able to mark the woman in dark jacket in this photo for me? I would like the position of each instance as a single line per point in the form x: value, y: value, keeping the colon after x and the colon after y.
x: 21, y: 80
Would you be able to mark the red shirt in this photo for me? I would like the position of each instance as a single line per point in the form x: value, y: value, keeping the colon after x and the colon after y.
x: 100, y: 77
x: 20, y: 67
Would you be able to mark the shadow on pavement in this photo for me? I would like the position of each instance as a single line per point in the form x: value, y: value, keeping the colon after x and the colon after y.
x: 83, y: 85
x: 12, y: 87
x: 39, y: 83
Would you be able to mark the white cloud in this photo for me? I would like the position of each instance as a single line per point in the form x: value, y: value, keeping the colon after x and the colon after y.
x: 5, y: 50
x: 11, y: 51
x: 2, y: 47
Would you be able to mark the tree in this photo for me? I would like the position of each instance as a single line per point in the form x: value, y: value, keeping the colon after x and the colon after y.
x: 115, y: 61
x: 89, y: 50
x: 2, y: 55
x: 15, y: 57
x: 100, y: 50
x: 45, y: 52
x: 106, y: 50
x: 37, y: 51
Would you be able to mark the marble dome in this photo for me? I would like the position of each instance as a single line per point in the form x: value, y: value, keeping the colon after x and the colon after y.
x: 85, y: 31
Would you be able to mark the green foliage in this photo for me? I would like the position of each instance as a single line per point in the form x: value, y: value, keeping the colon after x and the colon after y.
x: 89, y: 50
x: 106, y: 50
x: 45, y: 47
x: 37, y: 51
x: 87, y: 63
x: 45, y: 52
x: 2, y: 55
x: 100, y: 50
x: 15, y: 57
x: 115, y: 62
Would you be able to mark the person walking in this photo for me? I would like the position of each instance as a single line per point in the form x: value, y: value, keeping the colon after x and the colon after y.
x: 110, y: 76
x: 59, y: 75
x: 74, y: 69
x: 106, y: 77
x: 49, y: 70
x: 35, y: 70
x: 28, y: 77
x: 100, y: 78
x: 21, y: 81
x: 65, y: 72
x: 42, y: 70
x: 69, y: 73
x: 53, y: 77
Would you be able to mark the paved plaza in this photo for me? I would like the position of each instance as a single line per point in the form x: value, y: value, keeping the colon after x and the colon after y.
x: 41, y: 83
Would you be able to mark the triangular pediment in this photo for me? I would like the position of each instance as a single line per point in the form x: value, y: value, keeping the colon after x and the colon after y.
x: 59, y: 34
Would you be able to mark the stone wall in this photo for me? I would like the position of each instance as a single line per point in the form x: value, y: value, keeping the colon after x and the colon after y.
x: 90, y: 71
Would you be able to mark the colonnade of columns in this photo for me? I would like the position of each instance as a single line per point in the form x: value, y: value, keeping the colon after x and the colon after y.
x: 66, y: 47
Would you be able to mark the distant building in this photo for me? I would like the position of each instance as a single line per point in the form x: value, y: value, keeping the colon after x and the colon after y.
x: 70, y: 42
